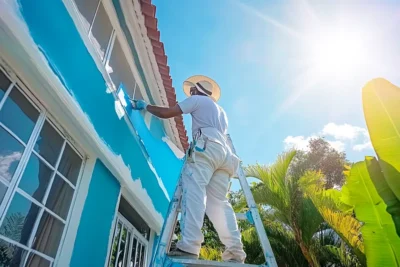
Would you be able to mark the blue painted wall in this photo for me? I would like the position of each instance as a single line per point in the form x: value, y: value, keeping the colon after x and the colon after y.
x: 91, y: 242
x: 56, y: 35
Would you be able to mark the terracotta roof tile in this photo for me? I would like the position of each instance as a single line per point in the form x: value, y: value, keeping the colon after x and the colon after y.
x: 149, y: 13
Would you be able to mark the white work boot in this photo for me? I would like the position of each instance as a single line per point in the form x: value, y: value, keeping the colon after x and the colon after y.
x: 228, y: 256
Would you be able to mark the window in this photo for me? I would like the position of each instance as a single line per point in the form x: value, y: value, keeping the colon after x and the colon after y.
x: 101, y: 31
x: 88, y: 9
x: 130, y: 244
x: 39, y: 171
x: 108, y: 46
x: 119, y: 71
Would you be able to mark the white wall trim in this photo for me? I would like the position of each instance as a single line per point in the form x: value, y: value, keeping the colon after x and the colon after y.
x: 23, y: 55
x: 150, y: 247
x: 67, y: 247
x: 112, y: 230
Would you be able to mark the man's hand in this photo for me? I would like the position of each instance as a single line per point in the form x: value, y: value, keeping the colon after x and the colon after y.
x: 139, y: 104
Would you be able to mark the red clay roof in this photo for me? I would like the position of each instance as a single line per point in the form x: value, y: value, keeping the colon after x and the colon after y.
x: 149, y: 13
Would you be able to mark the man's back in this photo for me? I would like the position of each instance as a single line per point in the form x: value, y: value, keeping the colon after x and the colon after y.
x: 207, y: 116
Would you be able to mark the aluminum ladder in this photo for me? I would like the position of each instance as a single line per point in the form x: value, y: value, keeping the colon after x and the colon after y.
x: 161, y: 259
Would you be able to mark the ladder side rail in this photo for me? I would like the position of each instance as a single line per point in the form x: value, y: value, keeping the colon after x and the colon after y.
x: 164, y: 242
x: 262, y: 235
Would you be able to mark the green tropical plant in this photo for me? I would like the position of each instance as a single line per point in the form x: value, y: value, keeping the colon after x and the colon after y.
x: 295, y: 218
x: 382, y: 245
x: 286, y: 250
x: 282, y: 192
x: 211, y: 254
x: 381, y: 110
x: 334, y: 212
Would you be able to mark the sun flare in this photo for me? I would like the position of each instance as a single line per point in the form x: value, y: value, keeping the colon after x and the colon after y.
x: 338, y: 54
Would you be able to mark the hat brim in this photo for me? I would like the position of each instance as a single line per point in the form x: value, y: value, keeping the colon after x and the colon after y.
x: 190, y: 82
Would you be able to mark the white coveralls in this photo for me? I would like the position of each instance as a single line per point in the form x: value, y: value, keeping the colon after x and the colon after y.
x: 205, y: 185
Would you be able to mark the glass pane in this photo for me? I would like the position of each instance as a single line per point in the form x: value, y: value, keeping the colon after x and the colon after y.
x: 60, y: 197
x: 115, y: 246
x: 19, y: 220
x: 19, y: 115
x: 49, y: 143
x: 101, y: 31
x: 121, y: 251
x: 36, y: 261
x: 4, y: 84
x: 11, y: 255
x: 119, y: 69
x: 10, y: 154
x: 3, y: 190
x: 87, y: 8
x: 36, y: 177
x: 133, y: 252
x: 48, y: 235
x: 70, y: 164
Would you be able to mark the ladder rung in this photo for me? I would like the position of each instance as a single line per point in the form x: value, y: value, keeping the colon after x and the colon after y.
x: 201, y: 263
x: 241, y: 216
x: 245, y: 217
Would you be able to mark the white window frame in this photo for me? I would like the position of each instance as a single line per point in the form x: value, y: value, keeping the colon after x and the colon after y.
x: 121, y: 38
x: 17, y: 84
x: 134, y: 234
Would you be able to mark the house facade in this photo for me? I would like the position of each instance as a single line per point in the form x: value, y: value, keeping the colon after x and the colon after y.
x: 84, y: 179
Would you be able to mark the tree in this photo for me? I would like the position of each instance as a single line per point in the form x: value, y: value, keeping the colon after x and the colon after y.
x: 288, y: 206
x: 321, y: 157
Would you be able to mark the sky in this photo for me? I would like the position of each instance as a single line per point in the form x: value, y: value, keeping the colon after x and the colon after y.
x: 288, y: 70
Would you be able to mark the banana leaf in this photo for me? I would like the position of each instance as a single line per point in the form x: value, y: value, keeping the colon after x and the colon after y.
x: 381, y: 244
x: 393, y: 204
x: 381, y: 103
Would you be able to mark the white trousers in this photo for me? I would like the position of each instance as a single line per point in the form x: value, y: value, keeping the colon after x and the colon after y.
x: 205, y: 186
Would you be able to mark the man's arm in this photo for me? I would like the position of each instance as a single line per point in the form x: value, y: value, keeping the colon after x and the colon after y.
x: 164, y: 113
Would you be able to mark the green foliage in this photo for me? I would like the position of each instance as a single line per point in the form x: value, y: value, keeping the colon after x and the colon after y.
x: 304, y: 221
x: 211, y: 254
x: 282, y: 240
x: 384, y: 191
x: 211, y: 239
x: 328, y: 203
x: 339, y: 256
x: 381, y: 109
x: 321, y: 157
x: 12, y: 228
x: 382, y: 245
x: 283, y: 193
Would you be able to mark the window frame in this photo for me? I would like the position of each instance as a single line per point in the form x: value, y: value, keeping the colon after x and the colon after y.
x: 134, y: 234
x: 28, y: 150
x: 104, y: 61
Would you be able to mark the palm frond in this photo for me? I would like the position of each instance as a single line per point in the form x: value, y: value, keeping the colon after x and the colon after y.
x: 330, y: 208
